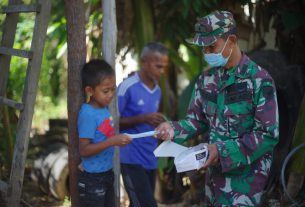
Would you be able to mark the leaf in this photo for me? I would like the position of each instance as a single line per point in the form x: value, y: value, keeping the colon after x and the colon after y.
x: 144, y: 28
x: 186, y: 8
x: 61, y: 50
x: 177, y: 60
x: 184, y: 99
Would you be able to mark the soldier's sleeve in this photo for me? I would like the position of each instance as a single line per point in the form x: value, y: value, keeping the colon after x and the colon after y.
x: 265, y: 133
x: 195, y: 122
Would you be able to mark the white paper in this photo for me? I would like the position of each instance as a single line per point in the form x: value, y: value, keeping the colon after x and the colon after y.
x: 186, y: 159
x: 141, y: 135
x: 169, y: 149
x: 192, y: 158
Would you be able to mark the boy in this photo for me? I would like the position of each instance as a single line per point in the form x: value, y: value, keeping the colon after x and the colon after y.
x: 97, y: 136
x: 138, y: 101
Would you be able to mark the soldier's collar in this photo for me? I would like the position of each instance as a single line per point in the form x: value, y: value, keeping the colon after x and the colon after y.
x: 244, y: 67
x: 213, y: 71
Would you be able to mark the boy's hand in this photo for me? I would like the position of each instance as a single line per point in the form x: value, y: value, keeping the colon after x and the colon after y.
x: 80, y: 167
x: 164, y: 131
x: 154, y: 118
x: 121, y: 140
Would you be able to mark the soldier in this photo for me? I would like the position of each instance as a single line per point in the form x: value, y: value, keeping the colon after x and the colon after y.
x: 235, y: 101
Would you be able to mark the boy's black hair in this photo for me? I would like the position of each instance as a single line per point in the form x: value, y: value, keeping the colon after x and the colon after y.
x: 95, y: 71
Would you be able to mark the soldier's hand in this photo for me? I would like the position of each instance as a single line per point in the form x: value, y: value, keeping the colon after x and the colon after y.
x: 213, y: 156
x: 164, y: 131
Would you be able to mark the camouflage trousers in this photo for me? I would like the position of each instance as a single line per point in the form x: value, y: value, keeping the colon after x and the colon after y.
x: 234, y: 189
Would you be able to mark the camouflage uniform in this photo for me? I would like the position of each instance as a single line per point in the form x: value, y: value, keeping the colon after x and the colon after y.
x: 210, y: 27
x: 238, y: 107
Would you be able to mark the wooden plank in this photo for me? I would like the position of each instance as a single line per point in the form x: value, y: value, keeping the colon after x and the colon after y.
x: 109, y: 42
x: 29, y: 97
x: 8, y: 37
x: 11, y: 103
x: 18, y: 8
x: 16, y: 52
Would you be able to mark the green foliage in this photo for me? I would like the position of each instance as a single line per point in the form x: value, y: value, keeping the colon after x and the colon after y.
x: 165, y: 164
x: 185, y: 97
x: 93, y: 31
x: 67, y: 202
x: 174, y: 23
x: 144, y: 30
x: 18, y: 66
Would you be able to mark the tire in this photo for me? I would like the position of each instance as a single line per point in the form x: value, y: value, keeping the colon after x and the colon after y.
x: 59, y: 177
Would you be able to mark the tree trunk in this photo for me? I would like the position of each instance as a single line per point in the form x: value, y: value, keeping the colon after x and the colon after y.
x: 76, y: 38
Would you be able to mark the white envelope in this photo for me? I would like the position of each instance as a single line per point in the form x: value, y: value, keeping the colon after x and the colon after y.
x: 141, y: 135
x: 186, y: 159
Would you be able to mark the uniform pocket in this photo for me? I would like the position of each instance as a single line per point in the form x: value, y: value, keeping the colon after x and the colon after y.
x: 210, y: 103
x: 240, y: 118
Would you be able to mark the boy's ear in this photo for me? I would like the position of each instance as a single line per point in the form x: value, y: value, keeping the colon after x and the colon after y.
x: 88, y: 91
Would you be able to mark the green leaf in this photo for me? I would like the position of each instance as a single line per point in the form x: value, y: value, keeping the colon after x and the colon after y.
x: 61, y: 51
x: 184, y: 99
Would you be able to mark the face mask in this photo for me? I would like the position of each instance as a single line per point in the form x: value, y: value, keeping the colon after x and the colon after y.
x: 217, y: 59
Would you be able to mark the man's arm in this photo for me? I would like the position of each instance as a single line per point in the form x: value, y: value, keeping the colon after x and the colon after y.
x: 153, y: 119
x: 195, y: 122
x: 87, y: 148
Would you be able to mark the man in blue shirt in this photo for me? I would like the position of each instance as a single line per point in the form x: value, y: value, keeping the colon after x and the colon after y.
x: 138, y: 101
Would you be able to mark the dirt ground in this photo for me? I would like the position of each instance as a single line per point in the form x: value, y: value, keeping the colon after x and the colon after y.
x: 32, y: 196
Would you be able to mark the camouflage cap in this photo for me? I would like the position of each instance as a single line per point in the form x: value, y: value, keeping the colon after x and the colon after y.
x: 209, y: 27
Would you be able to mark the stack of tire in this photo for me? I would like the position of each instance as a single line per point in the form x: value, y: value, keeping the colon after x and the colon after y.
x: 50, y: 170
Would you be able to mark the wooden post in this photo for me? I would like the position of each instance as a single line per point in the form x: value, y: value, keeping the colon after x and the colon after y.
x: 75, y: 15
x: 108, y: 52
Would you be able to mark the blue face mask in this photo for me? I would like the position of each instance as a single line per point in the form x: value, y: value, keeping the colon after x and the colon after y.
x: 217, y: 59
